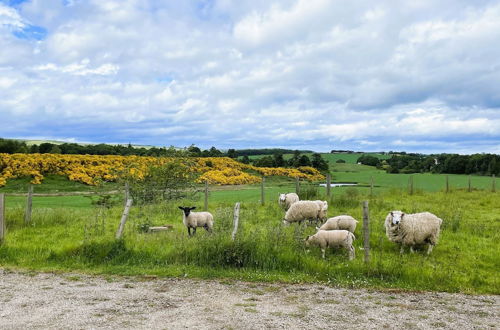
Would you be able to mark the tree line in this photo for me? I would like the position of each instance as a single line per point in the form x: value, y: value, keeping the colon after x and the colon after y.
x: 297, y: 160
x: 481, y: 164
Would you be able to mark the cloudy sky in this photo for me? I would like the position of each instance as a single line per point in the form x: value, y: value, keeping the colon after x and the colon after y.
x: 420, y: 75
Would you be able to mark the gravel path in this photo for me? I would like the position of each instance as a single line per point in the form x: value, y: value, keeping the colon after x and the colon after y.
x: 48, y: 301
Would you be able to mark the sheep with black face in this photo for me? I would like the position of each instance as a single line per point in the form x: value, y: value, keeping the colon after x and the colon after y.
x: 193, y: 220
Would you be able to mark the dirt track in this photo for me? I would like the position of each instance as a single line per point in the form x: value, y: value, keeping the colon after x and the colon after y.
x: 33, y: 301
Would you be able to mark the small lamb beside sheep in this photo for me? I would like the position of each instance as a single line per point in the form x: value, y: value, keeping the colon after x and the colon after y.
x: 345, y: 222
x: 332, y: 238
x: 192, y: 220
x: 306, y: 210
x: 413, y: 229
x: 286, y: 200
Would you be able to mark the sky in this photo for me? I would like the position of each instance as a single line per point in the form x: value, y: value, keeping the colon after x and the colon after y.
x: 415, y: 75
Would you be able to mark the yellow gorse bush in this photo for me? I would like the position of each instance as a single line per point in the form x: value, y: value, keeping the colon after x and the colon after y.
x: 92, y: 169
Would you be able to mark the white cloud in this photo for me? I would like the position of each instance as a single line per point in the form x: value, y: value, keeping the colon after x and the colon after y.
x: 317, y: 74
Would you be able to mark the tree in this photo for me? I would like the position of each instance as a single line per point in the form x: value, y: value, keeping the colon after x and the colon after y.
x: 368, y: 160
x: 170, y: 181
x: 304, y: 161
x: 294, y: 161
x: 266, y: 161
x: 245, y: 160
x: 45, y: 147
x: 279, y: 161
x: 231, y: 153
x: 319, y: 163
x: 340, y: 161
x: 194, y: 151
x: 55, y: 150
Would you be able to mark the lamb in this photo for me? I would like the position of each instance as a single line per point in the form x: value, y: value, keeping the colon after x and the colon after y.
x: 306, y: 210
x: 340, y: 222
x: 413, y: 229
x: 192, y: 220
x: 332, y: 238
x: 286, y: 200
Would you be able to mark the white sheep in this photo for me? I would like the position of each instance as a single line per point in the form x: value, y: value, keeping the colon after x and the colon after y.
x: 306, y: 210
x: 286, y: 200
x: 192, y: 220
x: 413, y: 229
x: 332, y: 238
x: 340, y: 222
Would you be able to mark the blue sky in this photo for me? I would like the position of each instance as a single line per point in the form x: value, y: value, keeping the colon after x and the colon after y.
x: 419, y: 76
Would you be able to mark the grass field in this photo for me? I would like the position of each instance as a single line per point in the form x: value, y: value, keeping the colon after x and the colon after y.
x: 82, y: 238
x: 70, y: 233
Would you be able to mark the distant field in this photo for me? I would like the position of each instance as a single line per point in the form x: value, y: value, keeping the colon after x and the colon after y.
x: 332, y: 158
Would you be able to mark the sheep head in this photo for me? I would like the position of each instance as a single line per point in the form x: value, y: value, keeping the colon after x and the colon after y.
x: 397, y: 217
x: 187, y: 210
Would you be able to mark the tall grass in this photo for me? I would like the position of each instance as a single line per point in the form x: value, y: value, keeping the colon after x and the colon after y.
x: 465, y: 259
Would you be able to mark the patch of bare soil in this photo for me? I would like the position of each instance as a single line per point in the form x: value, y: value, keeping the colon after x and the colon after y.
x: 41, y: 300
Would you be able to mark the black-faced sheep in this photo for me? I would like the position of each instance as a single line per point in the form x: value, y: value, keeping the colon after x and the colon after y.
x: 192, y: 220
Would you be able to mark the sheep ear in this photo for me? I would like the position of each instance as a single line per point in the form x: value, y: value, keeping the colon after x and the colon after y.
x: 181, y: 207
x: 402, y: 214
x: 392, y: 214
x: 192, y: 208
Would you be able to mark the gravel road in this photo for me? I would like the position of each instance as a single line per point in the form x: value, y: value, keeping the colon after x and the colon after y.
x: 75, y: 301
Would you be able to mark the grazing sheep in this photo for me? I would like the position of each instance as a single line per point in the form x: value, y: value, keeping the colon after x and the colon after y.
x: 306, y: 210
x: 332, y: 238
x: 413, y: 229
x: 286, y: 200
x: 192, y: 220
x: 340, y: 222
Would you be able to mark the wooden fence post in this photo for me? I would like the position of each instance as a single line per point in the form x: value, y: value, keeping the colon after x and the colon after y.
x: 328, y: 185
x: 29, y: 205
x: 366, y: 231
x: 126, y: 211
x: 371, y: 186
x: 297, y: 185
x: 2, y: 217
x: 206, y: 195
x: 493, y: 184
x: 447, y: 184
x: 470, y: 185
x: 127, y: 193
x: 262, y: 195
x: 236, y: 220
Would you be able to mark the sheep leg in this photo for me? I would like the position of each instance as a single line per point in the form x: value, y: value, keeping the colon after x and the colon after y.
x: 207, y: 228
x: 352, y: 253
x: 429, y: 249
x: 411, y: 249
x: 189, y: 231
x: 402, y: 249
x: 323, y: 252
x: 194, y: 230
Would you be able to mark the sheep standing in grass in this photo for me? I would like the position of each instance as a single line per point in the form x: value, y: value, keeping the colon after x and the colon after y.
x: 192, y: 220
x: 413, y: 229
x: 332, y: 238
x: 345, y: 222
x: 286, y: 200
x: 306, y: 210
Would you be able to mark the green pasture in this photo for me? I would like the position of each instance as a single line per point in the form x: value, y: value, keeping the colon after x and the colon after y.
x: 82, y: 239
x: 332, y: 158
